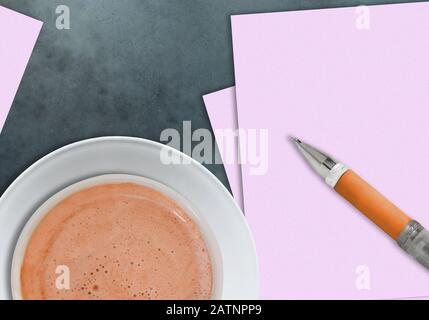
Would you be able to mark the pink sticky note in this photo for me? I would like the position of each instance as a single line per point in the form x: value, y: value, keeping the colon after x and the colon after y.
x: 18, y: 35
x: 222, y: 112
x: 360, y: 94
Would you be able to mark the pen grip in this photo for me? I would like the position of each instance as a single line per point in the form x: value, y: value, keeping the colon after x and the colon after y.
x: 372, y: 203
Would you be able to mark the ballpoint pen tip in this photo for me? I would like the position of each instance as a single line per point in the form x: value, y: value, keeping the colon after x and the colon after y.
x: 295, y: 140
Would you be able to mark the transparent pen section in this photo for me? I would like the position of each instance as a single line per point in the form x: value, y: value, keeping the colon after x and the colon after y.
x: 414, y: 239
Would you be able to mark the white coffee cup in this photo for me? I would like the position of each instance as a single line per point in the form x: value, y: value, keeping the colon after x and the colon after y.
x: 44, y: 209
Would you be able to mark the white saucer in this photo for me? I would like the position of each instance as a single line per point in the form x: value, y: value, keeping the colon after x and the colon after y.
x: 134, y: 156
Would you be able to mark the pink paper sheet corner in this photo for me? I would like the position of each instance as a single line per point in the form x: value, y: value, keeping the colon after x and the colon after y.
x: 222, y: 111
x: 18, y: 35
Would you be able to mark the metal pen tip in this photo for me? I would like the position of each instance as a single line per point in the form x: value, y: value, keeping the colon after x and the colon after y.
x: 318, y: 160
x: 295, y: 140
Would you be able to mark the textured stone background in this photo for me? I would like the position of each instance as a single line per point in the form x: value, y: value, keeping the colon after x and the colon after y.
x: 129, y: 67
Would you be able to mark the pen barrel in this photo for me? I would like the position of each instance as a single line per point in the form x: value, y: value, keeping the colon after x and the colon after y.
x: 372, y: 203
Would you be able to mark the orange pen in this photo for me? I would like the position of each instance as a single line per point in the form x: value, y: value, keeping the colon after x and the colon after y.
x: 408, y: 233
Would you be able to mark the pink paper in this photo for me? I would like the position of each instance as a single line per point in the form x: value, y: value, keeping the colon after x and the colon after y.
x: 359, y: 94
x: 18, y: 35
x: 222, y: 112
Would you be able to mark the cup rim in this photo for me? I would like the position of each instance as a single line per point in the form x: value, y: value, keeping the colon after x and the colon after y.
x: 41, y: 212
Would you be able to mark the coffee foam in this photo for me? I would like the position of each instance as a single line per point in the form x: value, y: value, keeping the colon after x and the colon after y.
x: 119, y: 241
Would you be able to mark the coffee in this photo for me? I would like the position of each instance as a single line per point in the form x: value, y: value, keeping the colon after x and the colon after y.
x: 117, y: 241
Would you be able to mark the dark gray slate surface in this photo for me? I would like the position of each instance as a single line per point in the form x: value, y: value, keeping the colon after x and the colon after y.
x: 126, y: 67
